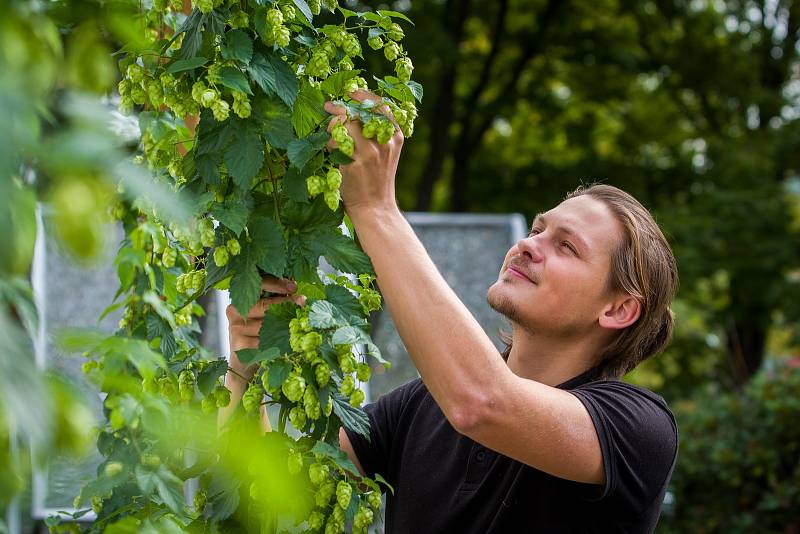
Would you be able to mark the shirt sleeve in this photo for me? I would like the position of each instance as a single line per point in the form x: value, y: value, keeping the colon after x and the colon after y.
x: 374, y: 454
x: 638, y: 439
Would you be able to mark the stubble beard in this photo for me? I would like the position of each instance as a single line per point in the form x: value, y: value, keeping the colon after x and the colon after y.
x: 503, y: 305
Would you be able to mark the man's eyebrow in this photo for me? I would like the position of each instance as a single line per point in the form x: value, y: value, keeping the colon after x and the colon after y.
x: 540, y: 218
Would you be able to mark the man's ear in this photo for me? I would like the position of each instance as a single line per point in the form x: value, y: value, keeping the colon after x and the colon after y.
x: 621, y: 313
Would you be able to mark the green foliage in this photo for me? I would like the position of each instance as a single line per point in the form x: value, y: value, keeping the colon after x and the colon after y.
x: 739, y: 461
x: 256, y: 77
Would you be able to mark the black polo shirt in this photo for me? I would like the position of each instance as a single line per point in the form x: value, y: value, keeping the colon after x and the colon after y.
x: 445, y: 482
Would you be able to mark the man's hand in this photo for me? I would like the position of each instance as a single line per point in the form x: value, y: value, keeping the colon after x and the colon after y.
x: 368, y: 181
x: 243, y: 333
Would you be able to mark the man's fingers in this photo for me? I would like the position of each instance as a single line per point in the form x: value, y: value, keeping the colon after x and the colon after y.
x: 335, y: 109
x: 282, y: 286
x: 363, y: 94
x: 249, y: 328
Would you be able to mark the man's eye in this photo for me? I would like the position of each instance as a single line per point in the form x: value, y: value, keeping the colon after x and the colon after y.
x: 534, y: 231
x: 568, y: 245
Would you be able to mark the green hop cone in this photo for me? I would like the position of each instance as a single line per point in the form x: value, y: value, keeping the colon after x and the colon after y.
x: 333, y: 179
x: 198, y: 89
x: 318, y: 65
x: 311, y: 404
x: 112, y: 469
x: 346, y: 64
x: 331, y: 5
x: 295, y: 462
x: 316, y: 520
x: 385, y: 131
x: 391, y: 51
x: 363, y: 517
x: 338, y: 514
x: 222, y: 396
x: 205, y: 6
x: 288, y: 13
x: 357, y: 398
x: 168, y: 257
x: 347, y: 362
x: 233, y: 246
x: 363, y: 372
x: 343, y: 493
x: 375, y: 43
x: 294, y: 387
x: 347, y: 386
x: 282, y: 36
x: 315, y: 185
x: 310, y: 341
x: 332, y: 199
x: 370, y: 129
x: 251, y: 399
x: 135, y: 73
x: 351, y: 45
x: 275, y: 16
x: 208, y: 97
x: 403, y: 67
x: 322, y: 374
x: 208, y: 405
x: 221, y: 256
x: 221, y: 110
x: 374, y: 500
x: 297, y: 416
x: 323, y: 495
x: 150, y: 460
x: 395, y: 32
x: 318, y: 474
x: 350, y: 86
x: 315, y: 6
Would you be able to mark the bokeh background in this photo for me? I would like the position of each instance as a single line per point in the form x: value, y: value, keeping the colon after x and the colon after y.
x: 691, y: 106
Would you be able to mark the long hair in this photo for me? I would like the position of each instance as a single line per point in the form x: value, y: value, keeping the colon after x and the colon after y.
x: 643, y: 266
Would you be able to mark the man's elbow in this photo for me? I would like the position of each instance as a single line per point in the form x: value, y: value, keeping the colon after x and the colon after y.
x: 471, y: 413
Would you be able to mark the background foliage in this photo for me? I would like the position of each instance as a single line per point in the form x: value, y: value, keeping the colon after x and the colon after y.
x: 692, y: 106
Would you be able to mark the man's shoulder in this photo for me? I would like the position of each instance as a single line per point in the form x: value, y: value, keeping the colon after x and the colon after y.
x: 622, y: 390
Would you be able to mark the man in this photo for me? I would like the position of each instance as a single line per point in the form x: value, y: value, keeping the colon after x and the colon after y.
x: 543, y: 437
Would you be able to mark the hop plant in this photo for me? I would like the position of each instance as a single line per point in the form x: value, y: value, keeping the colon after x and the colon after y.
x: 391, y: 51
x: 315, y: 184
x: 343, y: 493
x: 356, y: 398
x: 351, y: 46
x: 295, y: 462
x: 318, y: 473
x: 322, y: 374
x: 323, y: 495
x: 347, y: 386
x: 251, y: 400
x: 403, y: 67
x: 221, y: 256
x: 233, y: 246
x: 297, y: 416
x: 294, y: 387
x: 288, y: 12
x: 342, y: 137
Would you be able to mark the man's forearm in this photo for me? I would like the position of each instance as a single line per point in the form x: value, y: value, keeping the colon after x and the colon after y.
x: 456, y: 359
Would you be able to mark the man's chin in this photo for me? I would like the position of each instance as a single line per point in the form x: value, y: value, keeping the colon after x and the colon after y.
x: 502, y: 303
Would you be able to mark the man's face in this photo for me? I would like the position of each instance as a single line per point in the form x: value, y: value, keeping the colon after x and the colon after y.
x: 554, y: 282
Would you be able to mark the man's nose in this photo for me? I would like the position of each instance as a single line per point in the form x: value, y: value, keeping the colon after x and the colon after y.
x: 531, y: 247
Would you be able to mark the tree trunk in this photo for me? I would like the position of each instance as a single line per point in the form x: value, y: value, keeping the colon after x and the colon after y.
x: 443, y: 108
x: 746, y: 336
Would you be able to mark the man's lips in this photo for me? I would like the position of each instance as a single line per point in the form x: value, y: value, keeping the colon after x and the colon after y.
x: 519, y: 273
